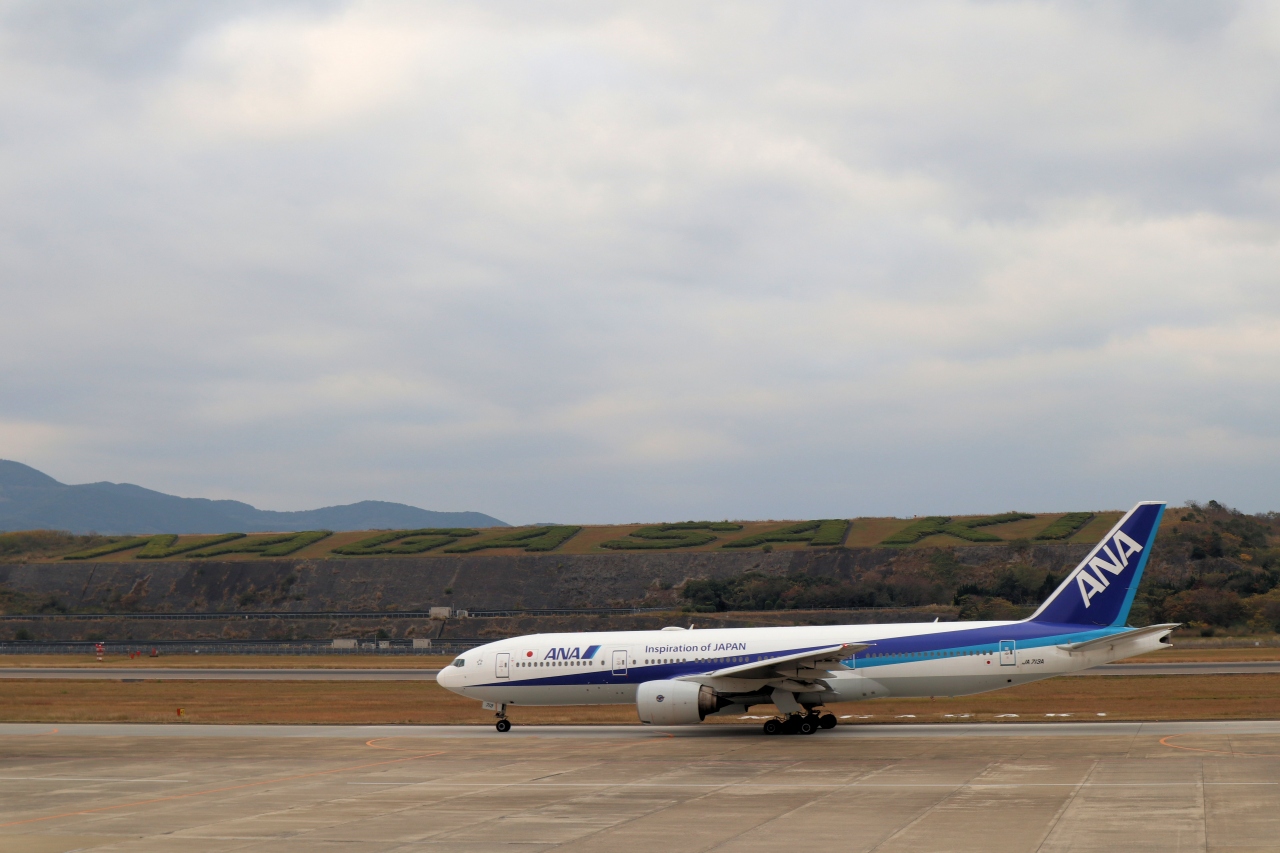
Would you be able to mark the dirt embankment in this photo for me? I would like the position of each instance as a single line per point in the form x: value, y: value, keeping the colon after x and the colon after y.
x: 466, y: 582
x: 390, y: 584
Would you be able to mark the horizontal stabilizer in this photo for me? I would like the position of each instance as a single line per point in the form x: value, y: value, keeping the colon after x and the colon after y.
x: 1119, y: 639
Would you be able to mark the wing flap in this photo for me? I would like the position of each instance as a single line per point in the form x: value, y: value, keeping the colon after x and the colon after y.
x: 827, y: 659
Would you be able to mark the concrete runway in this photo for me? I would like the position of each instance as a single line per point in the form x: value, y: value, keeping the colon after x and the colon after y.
x: 990, y: 788
x: 249, y: 674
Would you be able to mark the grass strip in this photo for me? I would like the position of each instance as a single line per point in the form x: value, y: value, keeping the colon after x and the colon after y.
x: 164, y: 545
x: 537, y: 539
x: 405, y: 541
x: 828, y: 531
x: 1144, y: 697
x: 684, y: 534
x: 1066, y: 526
x: 967, y: 529
x: 268, y: 546
x: 110, y: 548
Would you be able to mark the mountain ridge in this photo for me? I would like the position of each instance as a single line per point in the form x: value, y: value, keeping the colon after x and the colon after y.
x: 31, y: 499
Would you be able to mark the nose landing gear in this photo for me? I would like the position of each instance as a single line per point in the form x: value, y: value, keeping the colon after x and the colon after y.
x: 503, y: 725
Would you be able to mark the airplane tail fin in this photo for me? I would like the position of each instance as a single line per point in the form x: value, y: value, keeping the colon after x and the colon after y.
x: 1100, y: 591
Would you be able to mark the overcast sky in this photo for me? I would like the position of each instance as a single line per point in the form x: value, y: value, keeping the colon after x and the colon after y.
x: 598, y: 262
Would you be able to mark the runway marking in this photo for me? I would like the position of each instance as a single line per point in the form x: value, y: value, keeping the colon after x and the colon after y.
x: 34, y: 734
x: 792, y: 785
x: 1164, y: 741
x: 217, y: 790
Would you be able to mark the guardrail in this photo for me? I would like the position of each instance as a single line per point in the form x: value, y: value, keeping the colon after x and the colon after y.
x: 330, y: 614
x: 240, y: 647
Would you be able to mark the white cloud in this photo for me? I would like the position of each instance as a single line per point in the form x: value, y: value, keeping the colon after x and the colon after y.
x: 600, y: 263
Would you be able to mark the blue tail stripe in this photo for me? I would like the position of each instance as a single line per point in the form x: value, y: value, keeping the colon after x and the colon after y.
x: 1123, y: 616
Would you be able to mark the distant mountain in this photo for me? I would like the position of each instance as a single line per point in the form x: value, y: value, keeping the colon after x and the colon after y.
x: 31, y: 500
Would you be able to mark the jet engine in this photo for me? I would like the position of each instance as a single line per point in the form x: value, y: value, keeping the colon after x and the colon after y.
x: 676, y: 703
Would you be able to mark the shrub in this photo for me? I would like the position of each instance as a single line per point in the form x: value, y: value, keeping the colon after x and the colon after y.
x: 685, y: 534
x: 163, y: 545
x: 405, y: 541
x: 828, y: 531
x: 1220, y: 607
x: 112, y: 547
x: 537, y: 539
x: 1066, y: 526
x: 38, y: 542
x: 967, y: 529
x: 268, y: 546
x: 918, y: 530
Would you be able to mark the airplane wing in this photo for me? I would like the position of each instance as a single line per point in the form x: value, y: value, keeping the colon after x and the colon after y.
x: 797, y: 671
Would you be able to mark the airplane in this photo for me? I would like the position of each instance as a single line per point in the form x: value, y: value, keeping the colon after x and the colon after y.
x: 678, y: 676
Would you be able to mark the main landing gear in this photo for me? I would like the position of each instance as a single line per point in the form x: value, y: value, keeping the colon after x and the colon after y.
x: 799, y: 724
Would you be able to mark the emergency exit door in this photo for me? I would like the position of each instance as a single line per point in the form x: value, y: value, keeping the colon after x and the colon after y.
x: 1008, y: 653
x: 619, y: 661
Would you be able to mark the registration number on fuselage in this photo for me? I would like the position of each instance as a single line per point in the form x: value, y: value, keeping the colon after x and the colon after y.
x: 1033, y: 662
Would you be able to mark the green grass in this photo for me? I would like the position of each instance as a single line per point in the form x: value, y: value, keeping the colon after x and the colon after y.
x: 829, y: 531
x: 163, y: 545
x: 967, y: 530
x: 1065, y: 527
x: 110, y: 548
x: 405, y: 541
x: 268, y: 546
x: 537, y: 539
x: 685, y: 534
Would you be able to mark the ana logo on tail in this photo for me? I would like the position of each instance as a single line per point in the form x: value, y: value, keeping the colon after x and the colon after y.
x: 1092, y: 583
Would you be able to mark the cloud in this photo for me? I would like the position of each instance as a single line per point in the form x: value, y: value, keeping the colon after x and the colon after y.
x: 611, y: 263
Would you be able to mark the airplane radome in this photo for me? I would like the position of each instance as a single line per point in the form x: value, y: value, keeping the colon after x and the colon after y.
x: 677, y: 676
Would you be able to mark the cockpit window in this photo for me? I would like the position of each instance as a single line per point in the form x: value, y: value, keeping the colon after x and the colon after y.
x: 459, y: 662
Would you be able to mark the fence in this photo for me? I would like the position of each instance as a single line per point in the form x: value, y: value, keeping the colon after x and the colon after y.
x: 242, y: 647
x: 331, y: 614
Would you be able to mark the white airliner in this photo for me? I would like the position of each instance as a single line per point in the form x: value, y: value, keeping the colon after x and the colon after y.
x: 676, y: 676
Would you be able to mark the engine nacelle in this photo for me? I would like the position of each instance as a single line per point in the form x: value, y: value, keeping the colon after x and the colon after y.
x: 676, y: 703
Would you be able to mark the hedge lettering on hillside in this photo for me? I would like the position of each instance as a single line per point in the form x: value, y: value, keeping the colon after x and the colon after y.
x: 538, y: 539
x: 110, y: 548
x: 405, y: 541
x: 163, y: 545
x: 828, y: 531
x: 685, y: 534
x: 1065, y: 527
x: 268, y: 546
x: 967, y: 529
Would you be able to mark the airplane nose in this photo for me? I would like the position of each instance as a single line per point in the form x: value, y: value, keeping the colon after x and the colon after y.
x: 449, y: 678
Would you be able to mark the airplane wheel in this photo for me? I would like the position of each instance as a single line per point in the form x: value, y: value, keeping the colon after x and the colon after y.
x: 791, y: 725
x: 503, y: 725
x: 806, y: 727
x: 772, y: 727
x: 827, y: 721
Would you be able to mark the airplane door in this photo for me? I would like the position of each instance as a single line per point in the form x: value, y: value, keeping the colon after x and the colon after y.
x: 1008, y: 653
x: 619, y: 661
x: 503, y: 663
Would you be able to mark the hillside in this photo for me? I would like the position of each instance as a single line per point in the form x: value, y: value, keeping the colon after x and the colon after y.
x: 32, y: 500
x: 1211, y: 567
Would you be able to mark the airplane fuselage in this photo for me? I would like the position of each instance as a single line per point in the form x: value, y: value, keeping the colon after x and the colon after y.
x: 908, y: 659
